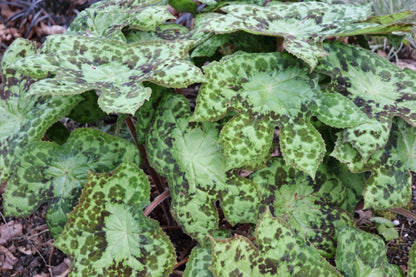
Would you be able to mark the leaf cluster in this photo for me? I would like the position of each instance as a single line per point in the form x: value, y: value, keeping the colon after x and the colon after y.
x: 320, y: 125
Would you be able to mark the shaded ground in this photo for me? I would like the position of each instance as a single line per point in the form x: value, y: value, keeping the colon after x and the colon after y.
x: 26, y: 246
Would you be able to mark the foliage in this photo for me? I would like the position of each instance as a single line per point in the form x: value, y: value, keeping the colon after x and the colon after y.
x: 271, y: 79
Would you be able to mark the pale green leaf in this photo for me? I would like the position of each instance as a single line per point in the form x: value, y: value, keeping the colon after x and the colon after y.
x: 303, y: 26
x: 106, y: 19
x: 360, y: 254
x: 73, y: 65
x: 24, y: 119
x: 268, y: 90
x: 280, y: 252
x: 411, y: 268
x: 308, y: 206
x: 190, y: 158
x: 379, y: 88
x: 48, y: 173
x: 107, y: 233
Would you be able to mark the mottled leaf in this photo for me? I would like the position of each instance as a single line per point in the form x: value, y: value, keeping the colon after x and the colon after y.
x: 107, y: 233
x: 303, y: 25
x: 362, y: 254
x: 48, y: 173
x: 168, y: 31
x: 379, y: 88
x: 200, y: 259
x: 308, y: 206
x: 279, y: 252
x: 190, y: 159
x: 106, y: 19
x: 390, y: 183
x: 24, y: 119
x: 73, y: 65
x: 269, y: 89
x: 411, y: 267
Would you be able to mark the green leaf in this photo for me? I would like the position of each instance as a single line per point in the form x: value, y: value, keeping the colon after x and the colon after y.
x: 87, y: 111
x: 308, y: 206
x: 167, y: 31
x: 73, y: 65
x: 362, y: 254
x: 303, y: 25
x: 107, y: 233
x: 192, y: 162
x: 200, y: 259
x: 48, y: 173
x: 184, y: 6
x: 389, y: 185
x: 280, y: 252
x: 379, y: 88
x: 57, y: 133
x: 411, y: 268
x: 385, y: 228
x: 269, y: 89
x: 24, y: 119
x: 107, y: 19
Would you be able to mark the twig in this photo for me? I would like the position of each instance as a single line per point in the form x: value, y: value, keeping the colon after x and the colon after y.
x: 180, y: 263
x: 404, y: 212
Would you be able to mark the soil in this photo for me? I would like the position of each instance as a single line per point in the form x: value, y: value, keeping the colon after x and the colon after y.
x: 26, y: 246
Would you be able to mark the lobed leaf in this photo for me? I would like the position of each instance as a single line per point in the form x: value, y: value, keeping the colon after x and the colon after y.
x: 303, y: 25
x: 107, y: 233
x: 389, y: 186
x: 310, y: 207
x: 48, y: 173
x: 280, y: 252
x: 24, y: 119
x: 379, y: 88
x: 269, y: 89
x: 107, y: 19
x: 192, y: 162
x: 362, y: 254
x: 73, y: 65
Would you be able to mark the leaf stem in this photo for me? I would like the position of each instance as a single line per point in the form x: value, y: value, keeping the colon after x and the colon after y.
x: 159, y: 199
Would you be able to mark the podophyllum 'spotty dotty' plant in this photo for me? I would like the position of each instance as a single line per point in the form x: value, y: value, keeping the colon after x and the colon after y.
x: 344, y: 119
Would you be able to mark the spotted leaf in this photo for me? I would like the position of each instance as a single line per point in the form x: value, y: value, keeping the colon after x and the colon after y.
x: 269, y: 89
x: 389, y: 185
x: 379, y: 88
x: 106, y: 19
x: 24, y: 119
x: 279, y: 252
x: 190, y: 158
x: 48, y: 173
x: 309, y: 206
x: 73, y: 65
x: 107, y: 233
x: 363, y: 254
x: 411, y: 269
x: 303, y: 26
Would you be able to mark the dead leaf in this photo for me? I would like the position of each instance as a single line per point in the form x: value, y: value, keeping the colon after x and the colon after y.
x: 62, y: 269
x: 7, y: 260
x: 9, y: 231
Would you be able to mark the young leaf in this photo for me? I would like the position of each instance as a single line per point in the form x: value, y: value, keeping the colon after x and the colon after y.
x: 269, y: 89
x: 308, y: 206
x: 362, y: 254
x: 48, y: 173
x: 192, y: 162
x: 74, y: 64
x: 107, y: 233
x: 24, y: 119
x: 280, y: 252
x: 106, y: 19
x: 390, y: 183
x: 379, y: 88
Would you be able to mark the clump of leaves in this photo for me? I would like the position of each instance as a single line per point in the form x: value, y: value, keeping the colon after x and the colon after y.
x: 341, y: 119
